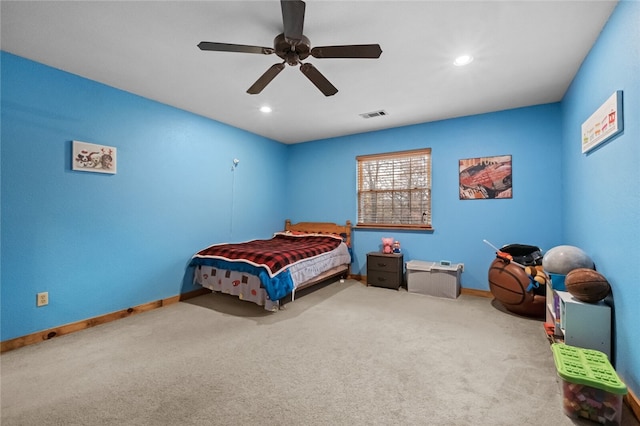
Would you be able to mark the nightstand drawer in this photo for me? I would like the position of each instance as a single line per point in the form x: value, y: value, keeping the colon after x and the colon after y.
x: 388, y: 264
x: 383, y: 279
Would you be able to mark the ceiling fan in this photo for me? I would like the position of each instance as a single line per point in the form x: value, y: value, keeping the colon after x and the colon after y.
x: 293, y: 47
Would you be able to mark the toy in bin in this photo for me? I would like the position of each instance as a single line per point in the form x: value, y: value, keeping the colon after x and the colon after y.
x: 590, y: 386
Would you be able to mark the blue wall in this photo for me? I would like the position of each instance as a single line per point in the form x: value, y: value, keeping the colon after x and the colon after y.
x: 531, y: 135
x: 601, y: 203
x: 101, y: 243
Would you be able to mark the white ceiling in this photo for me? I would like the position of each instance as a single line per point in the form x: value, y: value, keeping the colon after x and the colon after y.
x: 526, y: 53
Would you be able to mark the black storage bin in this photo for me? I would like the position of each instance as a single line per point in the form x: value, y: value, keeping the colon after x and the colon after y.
x: 524, y: 254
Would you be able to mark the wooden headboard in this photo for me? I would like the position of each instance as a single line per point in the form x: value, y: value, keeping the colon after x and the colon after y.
x: 321, y: 228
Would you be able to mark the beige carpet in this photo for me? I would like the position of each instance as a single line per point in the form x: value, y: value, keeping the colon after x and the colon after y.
x: 341, y: 354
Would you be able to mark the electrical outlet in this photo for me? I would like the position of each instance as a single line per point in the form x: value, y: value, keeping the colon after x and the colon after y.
x: 42, y: 299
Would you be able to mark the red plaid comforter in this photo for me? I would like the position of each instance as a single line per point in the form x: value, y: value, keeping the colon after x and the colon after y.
x: 274, y: 254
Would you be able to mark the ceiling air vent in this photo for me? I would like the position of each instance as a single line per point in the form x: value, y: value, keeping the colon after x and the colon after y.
x: 373, y: 114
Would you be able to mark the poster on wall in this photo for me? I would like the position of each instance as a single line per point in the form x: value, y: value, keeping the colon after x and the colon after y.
x: 485, y: 178
x: 89, y: 157
x: 603, y: 124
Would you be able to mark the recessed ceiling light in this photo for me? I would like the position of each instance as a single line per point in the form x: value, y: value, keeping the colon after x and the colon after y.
x: 266, y: 109
x: 463, y: 60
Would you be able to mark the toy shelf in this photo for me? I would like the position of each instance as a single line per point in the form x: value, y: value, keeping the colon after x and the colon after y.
x: 576, y: 323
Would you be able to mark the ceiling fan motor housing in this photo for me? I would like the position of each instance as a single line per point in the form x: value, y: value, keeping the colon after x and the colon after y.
x: 292, y: 54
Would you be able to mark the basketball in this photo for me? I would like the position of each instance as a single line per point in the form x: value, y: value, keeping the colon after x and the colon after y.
x: 587, y: 285
x: 508, y: 282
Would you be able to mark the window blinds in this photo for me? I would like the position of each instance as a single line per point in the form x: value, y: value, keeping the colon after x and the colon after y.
x: 394, y: 189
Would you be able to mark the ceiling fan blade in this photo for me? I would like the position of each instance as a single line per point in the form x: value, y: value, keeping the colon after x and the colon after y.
x: 227, y: 47
x: 292, y: 20
x: 371, y: 51
x: 265, y: 79
x: 318, y: 79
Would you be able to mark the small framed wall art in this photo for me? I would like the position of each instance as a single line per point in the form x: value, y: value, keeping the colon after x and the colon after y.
x: 485, y: 178
x: 89, y: 157
x: 603, y: 124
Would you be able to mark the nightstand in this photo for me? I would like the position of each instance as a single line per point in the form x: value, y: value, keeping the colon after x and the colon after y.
x: 385, y: 270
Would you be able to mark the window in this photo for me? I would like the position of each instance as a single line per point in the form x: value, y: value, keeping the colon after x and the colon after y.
x: 394, y: 190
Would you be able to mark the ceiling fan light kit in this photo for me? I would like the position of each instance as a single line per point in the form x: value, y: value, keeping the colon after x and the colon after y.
x: 293, y: 47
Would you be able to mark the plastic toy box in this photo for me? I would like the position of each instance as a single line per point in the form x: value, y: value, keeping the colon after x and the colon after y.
x: 434, y: 279
x: 590, y: 386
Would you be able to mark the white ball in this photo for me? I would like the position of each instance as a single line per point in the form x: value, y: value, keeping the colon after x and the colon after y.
x: 563, y: 259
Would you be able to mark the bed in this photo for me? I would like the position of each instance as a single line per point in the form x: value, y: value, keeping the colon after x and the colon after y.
x: 266, y: 272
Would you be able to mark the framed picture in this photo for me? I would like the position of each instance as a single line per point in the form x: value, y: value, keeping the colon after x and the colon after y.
x: 485, y: 178
x: 89, y: 157
x: 603, y: 124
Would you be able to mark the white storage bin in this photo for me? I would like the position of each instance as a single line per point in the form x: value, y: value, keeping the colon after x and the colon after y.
x: 434, y: 279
